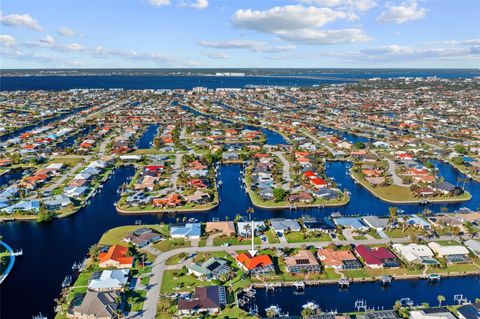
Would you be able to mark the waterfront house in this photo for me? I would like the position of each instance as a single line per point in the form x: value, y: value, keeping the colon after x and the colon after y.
x: 57, y: 202
x: 432, y: 313
x: 115, y: 257
x: 451, y: 253
x: 205, y: 300
x: 109, y: 280
x: 324, y: 224
x: 474, y: 246
x: 260, y: 264
x: 446, y: 188
x: 283, y: 225
x: 75, y: 192
x: 301, y: 197
x: 351, y: 223
x: 471, y: 311
x: 213, y: 268
x: 378, y: 257
x: 383, y: 314
x: 376, y: 222
x: 143, y: 237
x: 415, y: 254
x: 338, y: 259
x: 187, y: 231
x: 302, y: 262
x: 198, y: 198
x: 98, y: 305
x: 244, y: 228
x: 30, y: 206
x: 227, y: 228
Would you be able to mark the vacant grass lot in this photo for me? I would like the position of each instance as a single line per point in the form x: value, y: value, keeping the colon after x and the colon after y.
x: 298, y: 237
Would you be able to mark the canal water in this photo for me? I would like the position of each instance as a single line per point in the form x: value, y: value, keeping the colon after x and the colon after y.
x: 333, y: 298
x: 146, y: 140
x: 349, y: 137
x: 16, y: 133
x: 11, y: 176
x: 50, y: 249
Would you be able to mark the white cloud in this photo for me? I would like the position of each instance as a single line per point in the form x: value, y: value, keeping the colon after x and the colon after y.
x: 217, y: 55
x: 200, y: 4
x: 257, y: 46
x: 275, y: 48
x: 287, y: 18
x: 457, y: 42
x: 66, y: 32
x: 20, y: 20
x: 325, y: 37
x: 402, y: 13
x: 47, y: 40
x: 7, y: 41
x: 159, y: 3
x: 358, y: 5
x: 300, y: 24
x: 405, y: 53
x: 231, y: 44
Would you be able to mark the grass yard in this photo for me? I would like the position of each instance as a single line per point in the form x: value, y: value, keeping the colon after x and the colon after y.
x: 115, y: 235
x: 135, y: 299
x: 170, y: 244
x: 272, y: 237
x: 298, y: 237
x: 179, y: 281
x: 400, y: 233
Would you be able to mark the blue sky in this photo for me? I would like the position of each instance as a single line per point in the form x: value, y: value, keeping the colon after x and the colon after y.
x: 233, y: 33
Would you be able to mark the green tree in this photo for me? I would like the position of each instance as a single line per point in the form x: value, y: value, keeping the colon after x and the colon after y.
x: 460, y: 148
x: 279, y: 194
x: 440, y: 299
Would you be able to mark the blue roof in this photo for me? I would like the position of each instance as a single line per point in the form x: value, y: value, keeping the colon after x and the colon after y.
x: 187, y: 230
x: 352, y: 222
x: 415, y: 220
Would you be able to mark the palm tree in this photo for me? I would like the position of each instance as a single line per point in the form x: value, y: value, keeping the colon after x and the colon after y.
x: 250, y: 211
x: 440, y: 299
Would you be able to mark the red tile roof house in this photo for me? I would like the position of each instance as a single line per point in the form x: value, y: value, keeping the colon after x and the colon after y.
x: 115, y: 257
x: 378, y: 257
x: 260, y: 264
x: 205, y: 300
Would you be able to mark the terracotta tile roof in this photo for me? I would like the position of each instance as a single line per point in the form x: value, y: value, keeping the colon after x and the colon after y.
x: 253, y: 262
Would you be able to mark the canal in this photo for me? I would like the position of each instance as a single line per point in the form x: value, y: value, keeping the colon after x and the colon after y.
x: 50, y: 249
x: 41, y: 123
x: 146, y: 140
x: 333, y: 298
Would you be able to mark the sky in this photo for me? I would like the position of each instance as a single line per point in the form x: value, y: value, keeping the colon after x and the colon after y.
x: 239, y: 34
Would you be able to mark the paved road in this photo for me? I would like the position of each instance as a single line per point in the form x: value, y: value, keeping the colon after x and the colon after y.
x: 66, y: 175
x: 176, y: 167
x: 286, y: 170
x: 396, y: 179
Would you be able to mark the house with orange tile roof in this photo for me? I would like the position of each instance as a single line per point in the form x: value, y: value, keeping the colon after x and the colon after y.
x: 259, y: 264
x: 338, y: 259
x: 115, y: 257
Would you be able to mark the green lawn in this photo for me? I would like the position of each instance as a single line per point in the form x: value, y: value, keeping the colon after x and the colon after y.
x: 401, y: 233
x: 272, y: 237
x: 135, y: 299
x: 179, y: 281
x: 170, y: 244
x: 115, y: 235
x: 298, y: 237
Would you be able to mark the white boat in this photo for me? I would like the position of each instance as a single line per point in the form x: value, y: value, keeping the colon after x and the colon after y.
x: 310, y: 305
